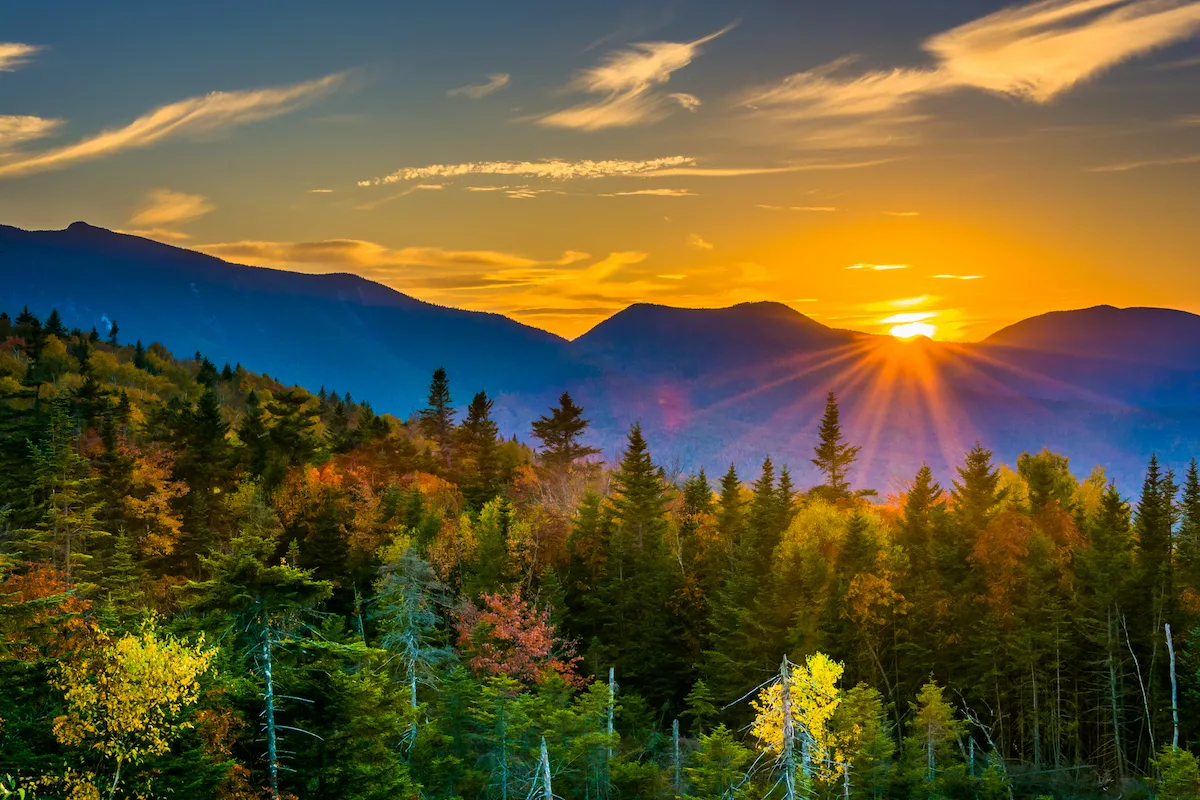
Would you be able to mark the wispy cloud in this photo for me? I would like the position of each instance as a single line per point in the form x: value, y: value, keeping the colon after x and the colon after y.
x: 165, y: 210
x: 15, y: 54
x: 697, y: 241
x: 551, y: 169
x: 475, y: 91
x: 1035, y: 52
x: 628, y: 82
x: 797, y: 208
x: 878, y: 267
x: 15, y: 130
x: 212, y: 113
x: 366, y: 257
x: 653, y: 193
x: 903, y: 213
x: 166, y: 207
x: 1126, y: 166
x: 320, y: 191
x: 587, y: 169
x: 958, y: 277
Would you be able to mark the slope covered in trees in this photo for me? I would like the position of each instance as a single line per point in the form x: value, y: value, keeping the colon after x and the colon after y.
x: 216, y: 585
x: 1101, y: 385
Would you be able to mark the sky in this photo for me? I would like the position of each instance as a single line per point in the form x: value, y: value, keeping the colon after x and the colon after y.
x: 949, y: 166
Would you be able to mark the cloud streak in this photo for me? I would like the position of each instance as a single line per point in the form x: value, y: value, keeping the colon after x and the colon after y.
x: 1126, y: 166
x: 653, y: 193
x: 212, y: 113
x: 15, y: 54
x: 475, y: 91
x: 15, y: 130
x: 1035, y: 52
x: 627, y: 82
x: 166, y: 207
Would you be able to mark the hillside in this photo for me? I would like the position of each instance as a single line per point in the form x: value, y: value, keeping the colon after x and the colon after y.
x: 1104, y: 385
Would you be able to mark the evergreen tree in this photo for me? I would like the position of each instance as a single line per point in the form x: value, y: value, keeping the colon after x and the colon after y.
x: 977, y: 494
x: 834, y: 455
x: 113, y: 330
x: 437, y: 418
x: 1187, y: 554
x: 560, y: 435
x: 478, y: 437
x: 252, y: 431
x: 54, y: 325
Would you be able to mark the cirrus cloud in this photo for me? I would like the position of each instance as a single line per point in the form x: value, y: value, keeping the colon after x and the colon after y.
x: 206, y: 115
x: 628, y: 80
x: 15, y: 54
x: 475, y: 91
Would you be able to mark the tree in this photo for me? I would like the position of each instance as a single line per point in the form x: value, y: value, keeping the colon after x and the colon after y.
x: 406, y: 608
x: 699, y: 708
x: 719, y: 768
x: 129, y: 703
x: 1187, y: 553
x: 437, y: 418
x: 862, y: 741
x: 113, y: 330
x: 813, y: 697
x: 54, y: 325
x: 478, y: 436
x: 69, y: 533
x: 1178, y: 774
x: 977, y: 494
x: 560, y: 435
x: 509, y: 636
x: 933, y: 734
x: 834, y: 455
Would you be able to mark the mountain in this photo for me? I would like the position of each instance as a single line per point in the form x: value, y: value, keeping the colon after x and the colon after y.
x: 1160, y: 336
x: 339, y: 330
x: 709, y: 386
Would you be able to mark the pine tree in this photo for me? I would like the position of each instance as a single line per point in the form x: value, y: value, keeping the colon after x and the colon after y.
x: 1154, y: 537
x: 478, y: 437
x: 976, y: 494
x: 252, y: 431
x: 54, y: 325
x: 834, y: 455
x: 437, y: 418
x: 113, y: 330
x: 1187, y: 553
x: 68, y: 535
x: 700, y: 708
x: 560, y: 435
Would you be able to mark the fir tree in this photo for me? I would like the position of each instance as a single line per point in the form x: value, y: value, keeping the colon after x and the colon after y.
x: 478, y: 437
x: 976, y: 495
x: 54, y: 325
x: 1187, y: 553
x: 437, y: 418
x: 834, y: 455
x: 560, y: 435
x: 113, y: 330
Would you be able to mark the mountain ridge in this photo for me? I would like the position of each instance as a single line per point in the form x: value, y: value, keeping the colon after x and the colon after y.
x: 708, y: 385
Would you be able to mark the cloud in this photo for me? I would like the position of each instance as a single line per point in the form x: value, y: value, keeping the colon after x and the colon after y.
x: 1035, y: 52
x: 958, y: 277
x: 903, y: 213
x: 688, y: 102
x: 429, y: 186
x: 358, y: 254
x: 1152, y: 162
x: 214, y: 112
x: 494, y: 83
x: 911, y: 316
x: 587, y: 169
x: 672, y: 277
x: 697, y: 241
x: 168, y: 208
x: 15, y: 130
x: 159, y: 234
x: 797, y: 208
x: 320, y: 191
x: 653, y: 193
x: 551, y: 169
x: 878, y: 267
x: 15, y: 54
x: 627, y: 80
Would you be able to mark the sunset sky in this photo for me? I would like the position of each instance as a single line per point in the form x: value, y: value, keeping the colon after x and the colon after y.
x: 869, y: 162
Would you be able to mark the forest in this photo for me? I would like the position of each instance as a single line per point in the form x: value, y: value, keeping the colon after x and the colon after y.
x: 213, y: 585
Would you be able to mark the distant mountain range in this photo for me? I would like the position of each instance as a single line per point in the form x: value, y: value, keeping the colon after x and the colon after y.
x: 710, y: 386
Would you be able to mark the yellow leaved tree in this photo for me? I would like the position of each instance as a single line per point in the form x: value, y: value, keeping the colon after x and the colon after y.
x: 813, y: 698
x: 128, y: 702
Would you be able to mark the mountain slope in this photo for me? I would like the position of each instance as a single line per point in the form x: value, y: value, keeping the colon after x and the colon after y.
x: 709, y: 386
x: 308, y: 329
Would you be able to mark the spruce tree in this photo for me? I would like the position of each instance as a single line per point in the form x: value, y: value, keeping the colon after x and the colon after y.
x: 478, y: 437
x: 113, y: 330
x: 834, y: 455
x: 976, y: 494
x: 54, y: 325
x: 560, y: 435
x: 1187, y: 552
x: 437, y: 418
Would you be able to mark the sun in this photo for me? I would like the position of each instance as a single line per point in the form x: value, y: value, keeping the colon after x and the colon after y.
x: 911, y: 330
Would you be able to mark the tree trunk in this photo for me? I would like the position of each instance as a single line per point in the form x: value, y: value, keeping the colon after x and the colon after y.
x: 789, y: 732
x: 1174, y: 689
x: 269, y: 703
x: 544, y: 769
